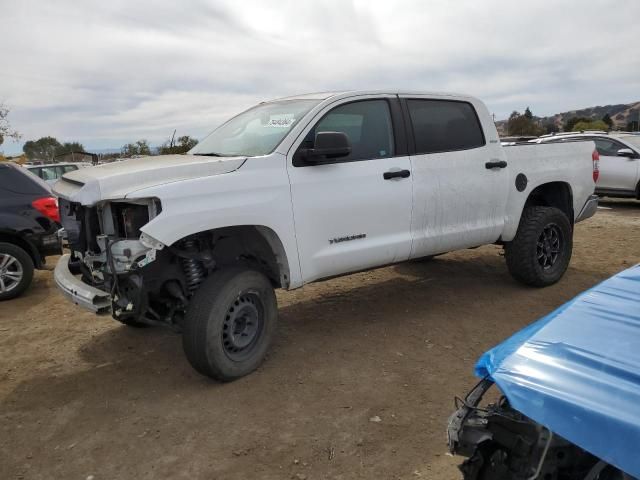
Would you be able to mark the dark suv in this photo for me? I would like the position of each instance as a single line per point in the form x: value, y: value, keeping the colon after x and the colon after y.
x: 28, y: 228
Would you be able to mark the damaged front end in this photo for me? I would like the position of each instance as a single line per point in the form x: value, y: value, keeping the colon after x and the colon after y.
x: 114, y: 267
x: 571, y: 389
x: 502, y: 444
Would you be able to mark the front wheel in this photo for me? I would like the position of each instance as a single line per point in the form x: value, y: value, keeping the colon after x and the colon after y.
x: 540, y: 252
x: 230, y: 323
x: 16, y: 271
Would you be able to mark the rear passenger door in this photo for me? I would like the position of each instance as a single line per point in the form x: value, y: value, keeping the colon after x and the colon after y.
x: 458, y: 200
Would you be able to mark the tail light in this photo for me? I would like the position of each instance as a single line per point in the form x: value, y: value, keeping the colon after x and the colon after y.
x: 48, y: 206
x: 595, y: 157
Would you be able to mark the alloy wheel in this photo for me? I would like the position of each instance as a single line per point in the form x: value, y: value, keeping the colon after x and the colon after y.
x: 549, y: 246
x: 11, y: 272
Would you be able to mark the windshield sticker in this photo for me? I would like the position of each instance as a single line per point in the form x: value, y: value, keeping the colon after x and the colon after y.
x: 281, y: 120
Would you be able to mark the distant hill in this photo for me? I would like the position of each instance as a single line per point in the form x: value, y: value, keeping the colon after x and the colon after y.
x: 621, y: 115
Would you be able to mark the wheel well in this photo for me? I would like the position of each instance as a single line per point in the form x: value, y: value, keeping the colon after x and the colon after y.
x: 255, y: 245
x: 23, y: 244
x: 554, y: 194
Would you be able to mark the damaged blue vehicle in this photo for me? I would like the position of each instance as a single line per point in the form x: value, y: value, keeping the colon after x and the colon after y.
x: 570, y: 394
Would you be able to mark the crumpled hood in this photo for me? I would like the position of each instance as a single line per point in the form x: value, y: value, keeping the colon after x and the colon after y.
x: 577, y: 370
x: 119, y: 179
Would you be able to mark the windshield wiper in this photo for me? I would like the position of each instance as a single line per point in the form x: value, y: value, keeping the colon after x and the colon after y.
x: 212, y: 154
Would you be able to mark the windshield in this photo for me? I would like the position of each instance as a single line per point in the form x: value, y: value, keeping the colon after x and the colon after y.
x: 257, y: 131
x: 633, y: 140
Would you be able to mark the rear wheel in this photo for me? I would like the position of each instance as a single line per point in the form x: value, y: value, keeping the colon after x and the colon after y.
x: 540, y: 252
x: 16, y: 271
x: 230, y: 323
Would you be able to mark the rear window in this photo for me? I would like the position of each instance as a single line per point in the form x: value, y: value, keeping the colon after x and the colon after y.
x: 444, y: 126
x: 19, y: 180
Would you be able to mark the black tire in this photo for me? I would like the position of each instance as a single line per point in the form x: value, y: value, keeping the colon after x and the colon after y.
x: 230, y: 323
x: 533, y: 257
x: 16, y: 271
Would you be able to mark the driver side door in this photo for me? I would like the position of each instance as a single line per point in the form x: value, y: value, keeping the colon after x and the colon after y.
x: 353, y: 212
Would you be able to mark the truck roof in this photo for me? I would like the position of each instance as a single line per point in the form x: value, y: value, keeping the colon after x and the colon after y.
x: 349, y: 93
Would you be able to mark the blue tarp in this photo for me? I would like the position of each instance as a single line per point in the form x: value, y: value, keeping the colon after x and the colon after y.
x: 577, y: 370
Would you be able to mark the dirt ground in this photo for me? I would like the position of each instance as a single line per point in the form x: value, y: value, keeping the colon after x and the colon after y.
x: 82, y: 397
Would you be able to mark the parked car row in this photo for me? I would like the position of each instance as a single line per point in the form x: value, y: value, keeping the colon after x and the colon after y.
x: 301, y: 189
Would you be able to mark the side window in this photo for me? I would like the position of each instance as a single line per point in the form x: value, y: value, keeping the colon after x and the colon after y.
x: 367, y: 124
x: 444, y: 126
x: 606, y: 147
x: 48, y: 173
x: 69, y: 168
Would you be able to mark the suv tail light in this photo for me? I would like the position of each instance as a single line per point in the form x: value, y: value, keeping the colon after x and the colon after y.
x: 48, y: 206
x: 595, y: 157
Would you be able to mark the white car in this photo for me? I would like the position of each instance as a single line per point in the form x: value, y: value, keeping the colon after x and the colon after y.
x: 52, y: 172
x: 306, y: 188
x: 619, y: 161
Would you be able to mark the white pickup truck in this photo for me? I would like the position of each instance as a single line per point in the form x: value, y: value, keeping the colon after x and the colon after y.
x: 305, y: 188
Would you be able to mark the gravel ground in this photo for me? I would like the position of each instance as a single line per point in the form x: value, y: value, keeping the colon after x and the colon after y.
x: 359, y: 383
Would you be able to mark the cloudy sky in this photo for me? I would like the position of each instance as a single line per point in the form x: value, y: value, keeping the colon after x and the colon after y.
x: 109, y: 72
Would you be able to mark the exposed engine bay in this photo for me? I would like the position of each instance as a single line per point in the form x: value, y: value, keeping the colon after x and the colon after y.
x: 502, y: 444
x: 147, y: 282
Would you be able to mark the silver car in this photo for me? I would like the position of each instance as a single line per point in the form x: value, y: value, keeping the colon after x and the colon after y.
x: 619, y: 160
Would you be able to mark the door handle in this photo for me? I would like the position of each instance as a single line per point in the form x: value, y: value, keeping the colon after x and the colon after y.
x: 500, y: 164
x: 396, y: 174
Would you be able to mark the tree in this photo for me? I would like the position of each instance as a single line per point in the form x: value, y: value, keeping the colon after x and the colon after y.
x: 590, y: 125
x: 570, y: 123
x: 528, y: 114
x: 68, y: 147
x: 184, y: 144
x: 551, y: 127
x: 42, y: 149
x: 521, y: 125
x: 141, y: 147
x: 6, y: 131
x: 607, y: 119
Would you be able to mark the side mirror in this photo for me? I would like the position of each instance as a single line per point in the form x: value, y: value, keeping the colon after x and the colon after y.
x: 328, y: 146
x: 627, y: 152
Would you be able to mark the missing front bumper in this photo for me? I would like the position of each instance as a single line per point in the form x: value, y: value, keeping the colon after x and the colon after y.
x: 83, y: 295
